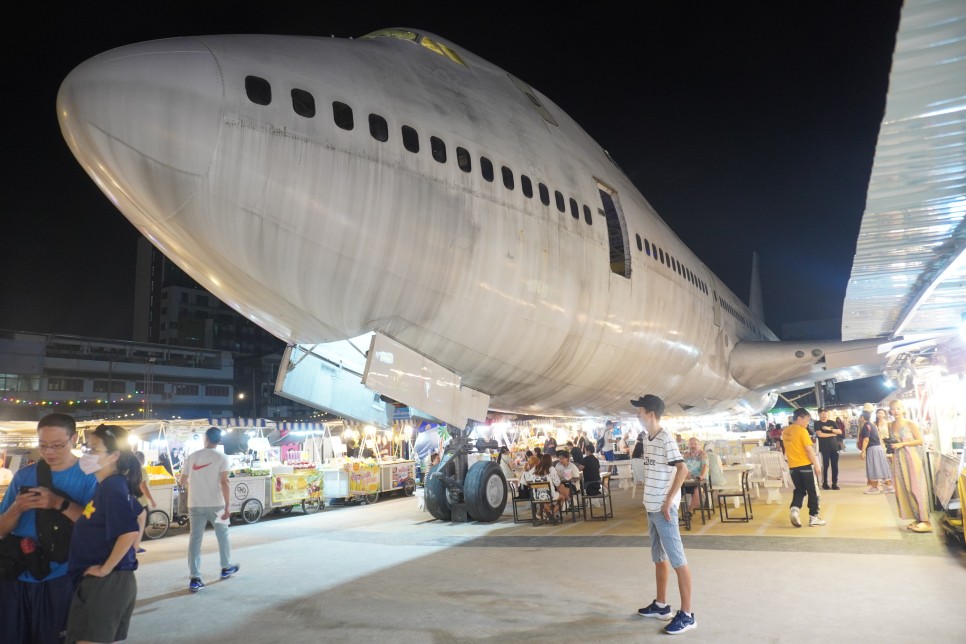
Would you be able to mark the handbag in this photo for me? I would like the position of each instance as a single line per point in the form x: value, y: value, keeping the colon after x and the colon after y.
x: 889, y: 442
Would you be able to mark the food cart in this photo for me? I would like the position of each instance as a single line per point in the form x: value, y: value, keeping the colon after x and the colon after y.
x: 358, y: 480
x: 168, y: 503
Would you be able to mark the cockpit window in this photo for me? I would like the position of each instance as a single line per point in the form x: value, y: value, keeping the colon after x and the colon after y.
x: 401, y: 34
x: 258, y: 89
x: 303, y: 103
x: 342, y: 115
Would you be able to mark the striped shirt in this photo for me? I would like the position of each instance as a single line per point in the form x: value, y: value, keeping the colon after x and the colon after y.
x: 661, y: 453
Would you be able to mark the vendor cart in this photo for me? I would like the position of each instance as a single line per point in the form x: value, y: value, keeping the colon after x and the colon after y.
x: 359, y: 480
x: 252, y: 496
x: 169, y: 501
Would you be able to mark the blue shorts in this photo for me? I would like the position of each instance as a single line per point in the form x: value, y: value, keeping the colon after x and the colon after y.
x: 666, y: 538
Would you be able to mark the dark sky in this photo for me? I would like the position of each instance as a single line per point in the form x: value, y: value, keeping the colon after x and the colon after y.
x: 749, y: 127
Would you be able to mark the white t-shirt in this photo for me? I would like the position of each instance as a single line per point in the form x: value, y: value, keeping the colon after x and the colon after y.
x: 660, y: 453
x: 608, y: 440
x: 573, y: 469
x: 530, y: 476
x: 203, y: 469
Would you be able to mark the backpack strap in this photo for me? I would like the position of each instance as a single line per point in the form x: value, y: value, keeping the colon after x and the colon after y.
x: 54, y: 528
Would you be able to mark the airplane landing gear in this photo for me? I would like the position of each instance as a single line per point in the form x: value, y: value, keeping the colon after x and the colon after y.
x: 482, y: 489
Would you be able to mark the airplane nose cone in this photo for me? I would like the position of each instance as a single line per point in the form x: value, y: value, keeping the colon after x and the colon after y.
x: 143, y: 121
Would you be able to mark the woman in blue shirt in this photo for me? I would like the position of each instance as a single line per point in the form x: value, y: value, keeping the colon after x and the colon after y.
x: 101, y: 550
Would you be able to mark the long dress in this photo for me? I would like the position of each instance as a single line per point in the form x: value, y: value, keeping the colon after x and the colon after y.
x: 910, y: 477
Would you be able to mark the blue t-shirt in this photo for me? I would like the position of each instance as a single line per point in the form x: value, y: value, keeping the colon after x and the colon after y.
x: 72, y: 482
x: 112, y: 512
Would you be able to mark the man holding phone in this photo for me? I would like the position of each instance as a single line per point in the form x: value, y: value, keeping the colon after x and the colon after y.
x: 37, y: 512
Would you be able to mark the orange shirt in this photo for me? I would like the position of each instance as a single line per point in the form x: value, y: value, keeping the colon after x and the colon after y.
x: 796, y: 439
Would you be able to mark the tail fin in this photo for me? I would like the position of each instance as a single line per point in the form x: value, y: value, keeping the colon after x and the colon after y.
x: 754, y: 294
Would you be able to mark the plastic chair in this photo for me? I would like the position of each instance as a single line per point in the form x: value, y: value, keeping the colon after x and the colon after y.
x: 773, y: 476
x: 744, y: 494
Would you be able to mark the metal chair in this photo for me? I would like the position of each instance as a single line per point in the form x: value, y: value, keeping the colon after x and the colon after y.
x: 744, y: 494
x: 606, y: 503
x: 541, y: 497
x: 517, y: 501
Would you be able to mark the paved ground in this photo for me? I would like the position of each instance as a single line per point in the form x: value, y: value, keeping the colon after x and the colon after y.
x: 388, y: 572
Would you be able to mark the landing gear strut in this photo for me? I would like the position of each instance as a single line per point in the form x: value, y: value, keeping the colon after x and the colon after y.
x: 456, y: 492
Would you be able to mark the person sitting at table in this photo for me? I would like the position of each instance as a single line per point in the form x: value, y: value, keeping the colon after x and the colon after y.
x: 697, y: 463
x: 591, y: 469
x: 576, y: 453
x: 568, y: 473
x: 543, y: 472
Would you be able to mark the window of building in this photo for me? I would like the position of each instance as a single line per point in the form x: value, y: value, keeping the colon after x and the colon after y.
x: 185, y: 390
x: 463, y: 160
x: 410, y: 139
x: 507, y: 177
x: 65, y: 384
x: 544, y: 194
x: 184, y: 298
x: 157, y: 388
x: 342, y: 115
x: 217, y: 391
x: 201, y: 300
x: 526, y: 186
x: 439, y: 149
x: 486, y: 168
x: 116, y: 386
x: 378, y: 128
x: 258, y: 89
x: 303, y: 103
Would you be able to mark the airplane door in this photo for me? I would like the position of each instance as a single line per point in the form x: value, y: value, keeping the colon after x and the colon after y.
x: 620, y: 261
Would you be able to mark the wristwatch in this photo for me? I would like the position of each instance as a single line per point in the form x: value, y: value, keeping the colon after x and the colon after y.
x: 63, y: 506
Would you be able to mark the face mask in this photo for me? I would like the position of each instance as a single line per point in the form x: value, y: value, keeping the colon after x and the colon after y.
x: 90, y: 463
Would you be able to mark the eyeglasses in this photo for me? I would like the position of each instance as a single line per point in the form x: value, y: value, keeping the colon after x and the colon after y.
x: 56, y: 447
x: 88, y: 450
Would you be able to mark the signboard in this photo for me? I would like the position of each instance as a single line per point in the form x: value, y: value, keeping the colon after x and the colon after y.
x: 295, y: 487
x: 363, y: 477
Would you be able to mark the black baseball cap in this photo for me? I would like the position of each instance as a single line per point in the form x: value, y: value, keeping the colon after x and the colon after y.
x: 650, y: 402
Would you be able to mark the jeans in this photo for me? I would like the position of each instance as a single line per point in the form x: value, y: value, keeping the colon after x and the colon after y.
x: 833, y: 457
x: 199, y: 518
x: 803, y: 478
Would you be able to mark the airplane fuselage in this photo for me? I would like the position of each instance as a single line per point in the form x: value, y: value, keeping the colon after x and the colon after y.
x: 327, y: 187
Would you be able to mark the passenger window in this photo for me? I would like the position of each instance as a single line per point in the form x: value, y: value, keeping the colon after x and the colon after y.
x: 574, y: 210
x: 438, y: 148
x: 258, y: 90
x: 587, y: 217
x: 661, y: 253
x: 507, y: 177
x: 544, y: 194
x: 640, y: 245
x: 647, y: 247
x: 378, y: 128
x: 463, y: 160
x: 410, y: 139
x: 342, y: 115
x: 526, y: 186
x: 486, y: 168
x: 561, y: 206
x: 303, y: 103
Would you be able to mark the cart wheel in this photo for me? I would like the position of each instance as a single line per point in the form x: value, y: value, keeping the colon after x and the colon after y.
x: 156, y: 525
x: 311, y: 506
x: 371, y: 498
x: 182, y: 520
x: 436, y: 500
x: 251, y: 511
x: 409, y: 487
x: 485, y: 487
x: 285, y: 509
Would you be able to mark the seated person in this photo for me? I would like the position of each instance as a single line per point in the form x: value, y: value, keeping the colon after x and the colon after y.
x: 697, y: 463
x: 591, y: 469
x: 544, y: 471
x: 568, y: 473
x: 576, y: 453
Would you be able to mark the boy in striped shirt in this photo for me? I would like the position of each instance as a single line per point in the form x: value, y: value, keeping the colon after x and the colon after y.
x: 664, y: 472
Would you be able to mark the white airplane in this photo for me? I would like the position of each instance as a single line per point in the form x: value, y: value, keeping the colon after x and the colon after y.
x: 400, y: 186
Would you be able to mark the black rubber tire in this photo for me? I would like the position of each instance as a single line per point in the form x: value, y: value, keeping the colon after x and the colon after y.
x: 251, y: 511
x: 311, y: 506
x: 409, y: 487
x: 485, y: 491
x: 436, y: 500
x: 156, y: 524
x: 371, y: 498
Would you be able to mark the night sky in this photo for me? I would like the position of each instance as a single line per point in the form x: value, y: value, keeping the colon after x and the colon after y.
x: 748, y: 127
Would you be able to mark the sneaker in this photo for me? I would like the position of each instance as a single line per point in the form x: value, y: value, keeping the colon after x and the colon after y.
x: 825, y: 486
x: 872, y: 490
x: 795, y: 517
x: 680, y: 623
x: 835, y: 486
x: 655, y: 611
x: 814, y: 521
x: 140, y: 550
x: 888, y: 490
x: 228, y: 572
x: 195, y: 584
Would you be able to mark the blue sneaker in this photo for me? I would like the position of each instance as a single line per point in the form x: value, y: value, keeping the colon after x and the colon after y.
x: 680, y: 623
x: 229, y: 571
x: 655, y: 611
x: 195, y: 584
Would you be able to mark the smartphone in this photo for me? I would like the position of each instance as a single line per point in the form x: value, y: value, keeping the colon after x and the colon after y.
x: 25, y: 489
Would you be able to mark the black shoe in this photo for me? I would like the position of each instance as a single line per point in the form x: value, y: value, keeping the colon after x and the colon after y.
x: 825, y: 486
x: 835, y: 486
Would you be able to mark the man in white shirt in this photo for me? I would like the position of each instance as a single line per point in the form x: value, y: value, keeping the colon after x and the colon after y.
x: 567, y: 470
x: 664, y: 472
x: 205, y: 477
